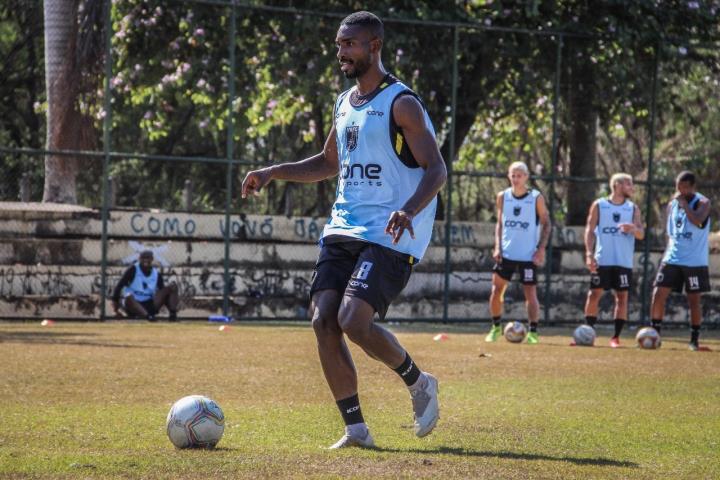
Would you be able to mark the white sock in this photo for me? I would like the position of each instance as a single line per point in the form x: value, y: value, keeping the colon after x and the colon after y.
x: 419, y: 384
x: 357, y: 430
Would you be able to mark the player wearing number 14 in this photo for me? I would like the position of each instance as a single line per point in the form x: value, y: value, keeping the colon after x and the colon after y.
x: 686, y: 259
x: 613, y: 225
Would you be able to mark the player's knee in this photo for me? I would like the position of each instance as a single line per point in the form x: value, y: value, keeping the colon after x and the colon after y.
x: 356, y: 331
x: 496, y: 291
x: 324, y: 322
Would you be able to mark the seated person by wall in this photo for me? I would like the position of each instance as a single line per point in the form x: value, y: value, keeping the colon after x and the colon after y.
x: 141, y: 291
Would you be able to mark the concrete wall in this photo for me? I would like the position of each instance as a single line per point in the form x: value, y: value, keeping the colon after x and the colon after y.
x: 50, y: 266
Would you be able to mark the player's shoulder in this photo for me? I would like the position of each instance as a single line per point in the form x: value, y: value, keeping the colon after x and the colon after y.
x: 702, y: 198
x: 342, y: 95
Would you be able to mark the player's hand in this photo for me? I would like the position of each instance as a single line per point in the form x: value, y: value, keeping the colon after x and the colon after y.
x: 538, y: 257
x: 497, y: 255
x: 399, y: 221
x: 591, y: 263
x: 628, y: 228
x: 255, y: 181
x: 682, y: 202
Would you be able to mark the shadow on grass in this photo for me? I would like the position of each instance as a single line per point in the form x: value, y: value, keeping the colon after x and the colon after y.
x: 62, y: 338
x: 463, y: 452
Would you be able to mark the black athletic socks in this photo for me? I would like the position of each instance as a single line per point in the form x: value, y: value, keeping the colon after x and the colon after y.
x: 533, y: 327
x: 591, y: 321
x: 496, y: 321
x: 350, y: 410
x: 619, y: 324
x: 657, y: 324
x: 408, y: 371
x: 694, y: 334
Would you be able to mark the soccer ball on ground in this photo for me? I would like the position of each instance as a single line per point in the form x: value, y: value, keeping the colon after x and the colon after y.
x: 514, y: 332
x: 584, y: 335
x: 648, y: 338
x: 195, y: 421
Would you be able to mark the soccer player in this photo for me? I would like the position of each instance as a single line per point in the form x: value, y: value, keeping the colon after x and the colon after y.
x: 521, y: 235
x: 686, y: 259
x: 613, y: 225
x: 383, y: 147
x: 144, y: 292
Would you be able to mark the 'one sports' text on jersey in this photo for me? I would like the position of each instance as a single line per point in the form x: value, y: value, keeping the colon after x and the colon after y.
x: 613, y: 248
x: 520, y: 231
x: 687, y: 243
x: 377, y: 172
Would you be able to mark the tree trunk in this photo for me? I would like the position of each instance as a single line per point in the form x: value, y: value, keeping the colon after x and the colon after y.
x: 61, y: 83
x: 582, y: 139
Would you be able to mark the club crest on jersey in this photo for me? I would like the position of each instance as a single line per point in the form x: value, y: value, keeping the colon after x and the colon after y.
x: 351, y: 137
x: 516, y: 211
x: 616, y: 217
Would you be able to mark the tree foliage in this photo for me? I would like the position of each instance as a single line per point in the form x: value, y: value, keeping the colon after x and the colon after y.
x: 171, y: 70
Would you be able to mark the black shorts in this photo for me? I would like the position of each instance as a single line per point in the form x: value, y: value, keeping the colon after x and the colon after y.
x: 612, y: 278
x: 363, y: 270
x: 527, y: 271
x: 693, y: 279
x: 148, y: 305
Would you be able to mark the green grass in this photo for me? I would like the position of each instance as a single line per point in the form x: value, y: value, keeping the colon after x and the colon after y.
x: 90, y: 400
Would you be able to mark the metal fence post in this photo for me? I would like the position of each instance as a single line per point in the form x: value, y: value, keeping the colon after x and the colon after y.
x: 551, y: 195
x: 450, y: 162
x: 107, y: 125
x: 648, y: 201
x: 230, y: 153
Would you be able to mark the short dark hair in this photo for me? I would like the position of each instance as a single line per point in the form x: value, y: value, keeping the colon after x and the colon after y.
x: 686, y: 176
x: 146, y: 254
x: 368, y: 20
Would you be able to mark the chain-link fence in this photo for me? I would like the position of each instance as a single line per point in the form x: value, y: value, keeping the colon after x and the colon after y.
x: 195, y: 94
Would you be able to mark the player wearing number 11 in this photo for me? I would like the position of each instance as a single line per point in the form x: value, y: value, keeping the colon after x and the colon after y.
x: 613, y: 225
x: 382, y: 146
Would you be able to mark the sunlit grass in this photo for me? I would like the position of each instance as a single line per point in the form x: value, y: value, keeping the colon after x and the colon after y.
x: 90, y: 400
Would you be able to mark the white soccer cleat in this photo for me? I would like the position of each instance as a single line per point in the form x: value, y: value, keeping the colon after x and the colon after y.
x: 354, y: 440
x: 425, y: 406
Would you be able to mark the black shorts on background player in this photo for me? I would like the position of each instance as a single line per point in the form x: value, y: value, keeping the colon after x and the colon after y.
x: 611, y: 278
x: 527, y: 271
x: 361, y: 269
x: 677, y: 277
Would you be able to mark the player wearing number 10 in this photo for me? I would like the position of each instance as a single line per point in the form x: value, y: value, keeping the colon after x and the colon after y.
x: 613, y: 225
x: 383, y: 147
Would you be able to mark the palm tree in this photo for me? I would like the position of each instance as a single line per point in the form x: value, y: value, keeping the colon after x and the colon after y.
x: 72, y: 54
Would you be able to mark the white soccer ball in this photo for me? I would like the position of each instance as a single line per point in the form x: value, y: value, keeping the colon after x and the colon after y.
x: 648, y: 338
x: 195, y: 422
x: 584, y: 335
x: 514, y: 332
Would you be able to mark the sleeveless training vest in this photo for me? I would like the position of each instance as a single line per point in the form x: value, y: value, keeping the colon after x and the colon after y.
x: 613, y: 248
x: 142, y: 287
x: 377, y: 173
x: 520, y: 232
x: 687, y: 244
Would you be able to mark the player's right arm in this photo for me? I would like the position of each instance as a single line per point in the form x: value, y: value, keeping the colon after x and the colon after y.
x: 497, y: 252
x: 125, y: 281
x: 592, y: 221
x: 313, y: 169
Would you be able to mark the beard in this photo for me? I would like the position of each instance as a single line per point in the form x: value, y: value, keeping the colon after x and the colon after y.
x: 360, y: 67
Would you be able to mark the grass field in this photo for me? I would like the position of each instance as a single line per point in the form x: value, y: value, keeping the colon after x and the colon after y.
x: 90, y: 400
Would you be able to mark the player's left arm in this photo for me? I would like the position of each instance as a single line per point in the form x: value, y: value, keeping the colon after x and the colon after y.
x: 545, y: 230
x: 410, y: 117
x: 699, y: 216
